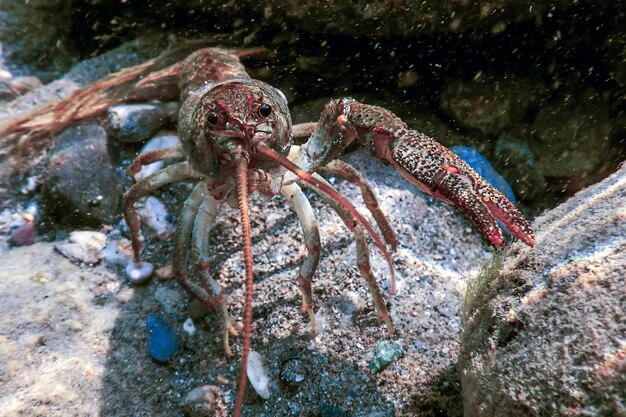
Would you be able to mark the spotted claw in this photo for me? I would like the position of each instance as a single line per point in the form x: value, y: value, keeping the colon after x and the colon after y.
x: 439, y: 172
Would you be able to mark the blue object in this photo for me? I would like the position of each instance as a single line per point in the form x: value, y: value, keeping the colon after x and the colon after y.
x: 481, y: 165
x: 161, y: 345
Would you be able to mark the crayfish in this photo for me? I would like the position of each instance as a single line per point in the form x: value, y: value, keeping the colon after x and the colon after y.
x: 237, y: 139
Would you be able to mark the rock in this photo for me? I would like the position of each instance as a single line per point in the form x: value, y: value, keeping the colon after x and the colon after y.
x: 202, y: 401
x: 481, y: 165
x: 257, y: 375
x: 83, y: 246
x: 161, y: 345
x: 36, y: 33
x: 161, y: 141
x: 386, y: 353
x: 154, y: 215
x: 81, y: 186
x: 543, y: 327
x: 573, y: 136
x: 518, y: 163
x: 488, y: 104
x: 189, y: 327
x: 25, y: 234
x: 13, y: 87
x: 54, y: 338
x: 117, y: 252
x: 138, y: 272
x: 138, y: 122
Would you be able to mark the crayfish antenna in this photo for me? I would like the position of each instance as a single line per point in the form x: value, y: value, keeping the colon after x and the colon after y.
x: 242, y: 195
x: 270, y: 153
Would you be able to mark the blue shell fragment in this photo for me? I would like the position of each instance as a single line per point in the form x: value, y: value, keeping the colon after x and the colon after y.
x: 161, y: 344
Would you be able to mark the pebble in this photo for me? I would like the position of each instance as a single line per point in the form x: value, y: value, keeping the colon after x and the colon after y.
x: 162, y: 141
x: 386, y: 353
x: 24, y: 235
x: 164, y: 273
x: 137, y: 122
x: 201, y: 401
x: 257, y: 375
x: 481, y: 165
x: 139, y: 272
x: 189, y: 327
x: 83, y: 246
x: 117, y: 252
x: 161, y: 345
x: 155, y: 216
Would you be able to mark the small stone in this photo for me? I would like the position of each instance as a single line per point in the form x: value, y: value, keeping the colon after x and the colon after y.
x: 161, y: 345
x: 189, y: 327
x: 24, y: 235
x: 139, y: 272
x: 257, y: 375
x: 164, y: 273
x: 155, y: 216
x: 201, y: 401
x: 117, y: 252
x: 137, y: 122
x: 386, y: 353
x: 162, y: 141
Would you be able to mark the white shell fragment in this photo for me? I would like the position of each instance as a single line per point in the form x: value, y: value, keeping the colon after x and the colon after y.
x: 139, y: 272
x: 189, y: 327
x: 83, y: 246
x: 155, y: 215
x: 257, y: 375
x: 158, y: 142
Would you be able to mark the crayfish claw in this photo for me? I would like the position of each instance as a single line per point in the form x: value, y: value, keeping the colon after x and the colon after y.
x: 438, y: 171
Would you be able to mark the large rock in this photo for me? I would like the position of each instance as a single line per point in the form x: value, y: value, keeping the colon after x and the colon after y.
x: 490, y: 104
x: 82, y: 186
x: 36, y: 33
x: 53, y: 333
x: 573, y: 136
x: 545, y: 331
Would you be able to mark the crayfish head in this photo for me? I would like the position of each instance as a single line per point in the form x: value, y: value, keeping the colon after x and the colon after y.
x: 224, y: 119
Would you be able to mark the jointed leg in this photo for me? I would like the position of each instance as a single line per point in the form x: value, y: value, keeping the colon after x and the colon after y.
x: 150, y: 157
x: 173, y: 173
x: 363, y: 259
x: 300, y: 204
x: 204, y: 222
x: 349, y: 173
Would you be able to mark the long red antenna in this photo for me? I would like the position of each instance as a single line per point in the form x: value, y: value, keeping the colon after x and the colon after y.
x: 270, y: 153
x: 242, y: 195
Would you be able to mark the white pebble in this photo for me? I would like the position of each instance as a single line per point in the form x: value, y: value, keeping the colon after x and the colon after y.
x: 155, y: 215
x: 257, y: 375
x: 87, y: 238
x: 139, y: 272
x: 189, y: 327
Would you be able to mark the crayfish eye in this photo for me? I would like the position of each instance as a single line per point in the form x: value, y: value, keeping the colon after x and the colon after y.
x: 265, y: 110
x: 213, y: 118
